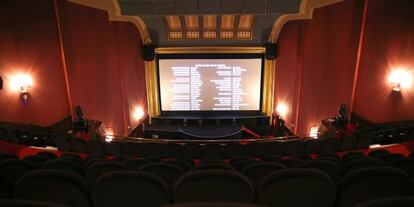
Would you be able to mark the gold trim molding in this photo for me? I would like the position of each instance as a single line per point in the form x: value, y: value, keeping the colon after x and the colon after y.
x: 305, y: 12
x: 215, y: 50
x: 268, y: 73
x: 114, y: 14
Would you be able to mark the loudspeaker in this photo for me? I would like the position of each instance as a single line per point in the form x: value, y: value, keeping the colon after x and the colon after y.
x: 148, y: 52
x: 271, y: 51
x: 1, y: 83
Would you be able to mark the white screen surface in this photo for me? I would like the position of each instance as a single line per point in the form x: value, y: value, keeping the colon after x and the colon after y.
x: 210, y: 84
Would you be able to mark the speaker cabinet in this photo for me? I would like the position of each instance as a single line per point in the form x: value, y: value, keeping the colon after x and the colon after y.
x: 271, y: 51
x: 1, y: 83
x: 148, y: 52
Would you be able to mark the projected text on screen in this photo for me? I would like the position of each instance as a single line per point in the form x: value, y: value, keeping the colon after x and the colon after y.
x: 210, y: 84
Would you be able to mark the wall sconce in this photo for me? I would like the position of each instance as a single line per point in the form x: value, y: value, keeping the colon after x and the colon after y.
x: 282, y: 110
x: 22, y: 83
x: 138, y: 113
x: 399, y: 79
x: 109, y: 134
x: 313, y: 132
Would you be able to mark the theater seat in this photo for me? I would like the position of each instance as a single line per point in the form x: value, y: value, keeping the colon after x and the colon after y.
x: 212, y: 166
x: 99, y: 168
x: 36, y: 159
x: 257, y: 171
x: 373, y: 183
x: 331, y: 169
x: 5, y: 185
x: 241, y: 164
x: 47, y: 154
x: 404, y: 201
x: 360, y: 163
x: 213, y: 186
x: 135, y: 163
x: 62, y: 144
x: 313, y: 146
x: 214, y: 205
x: 297, y: 188
x: 129, y: 189
x: 27, y: 203
x: 94, y: 147
x: 65, y: 165
x: 53, y: 186
x: 77, y: 145
x: 407, y: 165
x: 16, y: 168
x: 168, y: 172
x: 5, y: 156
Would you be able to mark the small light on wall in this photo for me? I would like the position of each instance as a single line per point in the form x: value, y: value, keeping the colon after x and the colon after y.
x: 282, y: 110
x: 138, y: 113
x: 109, y: 134
x: 400, y: 79
x: 313, y: 132
x: 22, y: 83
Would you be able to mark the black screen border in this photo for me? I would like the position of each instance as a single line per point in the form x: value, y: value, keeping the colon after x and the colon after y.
x: 211, y: 56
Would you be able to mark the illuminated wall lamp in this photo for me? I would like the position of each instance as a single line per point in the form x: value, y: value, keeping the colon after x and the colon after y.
x: 22, y: 83
x: 400, y: 79
x: 138, y: 113
x: 282, y: 110
x: 313, y: 132
x: 109, y: 134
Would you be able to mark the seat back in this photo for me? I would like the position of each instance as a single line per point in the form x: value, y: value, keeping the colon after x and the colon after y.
x: 135, y: 164
x: 361, y: 163
x: 257, y: 171
x: 213, y: 186
x: 400, y: 201
x: 95, y: 147
x: 129, y: 189
x: 297, y: 188
x: 331, y: 169
x: 97, y: 169
x: 372, y: 183
x: 16, y: 168
x: 168, y: 172
x: 25, y: 203
x: 78, y: 145
x: 65, y: 165
x: 53, y: 186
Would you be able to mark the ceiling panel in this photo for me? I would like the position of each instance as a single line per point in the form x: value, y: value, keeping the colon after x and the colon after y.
x: 232, y: 7
x: 184, y: 7
x: 255, y: 6
x: 283, y: 6
x: 209, y: 6
x: 191, y: 22
x: 164, y: 7
x: 136, y: 8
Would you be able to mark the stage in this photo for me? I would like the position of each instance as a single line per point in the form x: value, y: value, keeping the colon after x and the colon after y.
x: 208, y: 126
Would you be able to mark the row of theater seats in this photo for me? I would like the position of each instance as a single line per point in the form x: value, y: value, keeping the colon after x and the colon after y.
x: 388, y: 133
x: 34, y: 137
x: 325, y: 181
x: 255, y: 149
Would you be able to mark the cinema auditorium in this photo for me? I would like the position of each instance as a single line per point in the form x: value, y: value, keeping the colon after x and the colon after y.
x: 207, y: 103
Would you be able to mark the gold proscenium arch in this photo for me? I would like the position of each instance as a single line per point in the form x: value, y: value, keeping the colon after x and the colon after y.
x: 114, y: 13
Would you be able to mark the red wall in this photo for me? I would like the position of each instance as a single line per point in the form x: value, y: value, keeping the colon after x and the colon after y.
x: 105, y: 68
x: 29, y: 44
x: 315, y: 64
x: 388, y: 43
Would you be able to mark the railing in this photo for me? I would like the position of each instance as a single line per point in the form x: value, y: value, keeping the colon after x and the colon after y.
x: 209, y: 141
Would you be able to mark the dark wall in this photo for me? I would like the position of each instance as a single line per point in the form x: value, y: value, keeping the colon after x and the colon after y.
x: 388, y: 44
x: 29, y: 44
x: 315, y: 67
x: 105, y: 69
